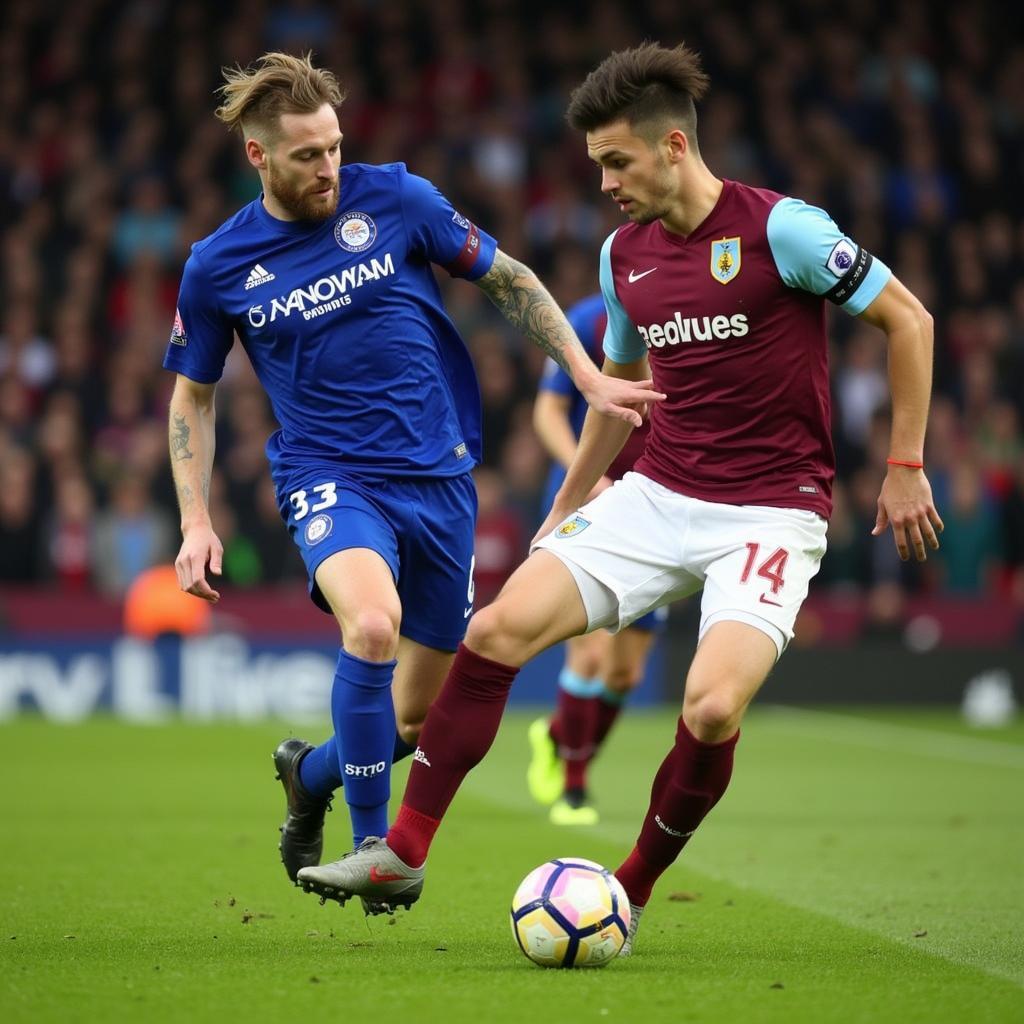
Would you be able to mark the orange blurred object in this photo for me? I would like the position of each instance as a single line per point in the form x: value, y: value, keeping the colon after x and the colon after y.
x: 155, y: 604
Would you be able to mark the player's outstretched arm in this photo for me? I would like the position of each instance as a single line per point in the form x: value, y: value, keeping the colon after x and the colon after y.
x: 905, y: 502
x: 601, y: 440
x: 191, y: 437
x: 526, y: 303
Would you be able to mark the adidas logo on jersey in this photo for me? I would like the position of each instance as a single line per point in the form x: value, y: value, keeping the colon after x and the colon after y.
x: 257, y: 276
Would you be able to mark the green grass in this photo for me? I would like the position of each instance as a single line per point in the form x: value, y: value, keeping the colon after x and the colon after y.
x: 865, y: 866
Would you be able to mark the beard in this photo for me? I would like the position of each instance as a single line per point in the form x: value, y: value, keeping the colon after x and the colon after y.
x: 648, y: 215
x: 302, y: 203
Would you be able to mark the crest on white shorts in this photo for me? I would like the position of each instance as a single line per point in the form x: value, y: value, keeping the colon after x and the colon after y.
x: 572, y: 526
x: 317, y: 528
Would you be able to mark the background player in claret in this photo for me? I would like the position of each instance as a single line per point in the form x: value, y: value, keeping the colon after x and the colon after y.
x: 326, y: 280
x: 723, y: 287
x: 601, y: 669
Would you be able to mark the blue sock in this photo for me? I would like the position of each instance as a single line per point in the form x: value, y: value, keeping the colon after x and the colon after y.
x: 575, y: 684
x: 318, y: 770
x: 364, y: 733
x: 402, y: 749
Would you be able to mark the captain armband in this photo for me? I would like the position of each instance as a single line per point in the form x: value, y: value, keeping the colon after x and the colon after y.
x: 854, y: 265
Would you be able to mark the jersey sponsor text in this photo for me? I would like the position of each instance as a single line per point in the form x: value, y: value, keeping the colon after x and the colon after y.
x: 680, y: 330
x: 322, y: 295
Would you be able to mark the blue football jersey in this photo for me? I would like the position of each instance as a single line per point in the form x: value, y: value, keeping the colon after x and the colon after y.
x: 344, y: 325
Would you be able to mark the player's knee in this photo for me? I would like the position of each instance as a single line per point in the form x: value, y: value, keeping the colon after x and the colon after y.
x: 372, y: 634
x: 497, y: 634
x: 409, y: 732
x: 713, y: 716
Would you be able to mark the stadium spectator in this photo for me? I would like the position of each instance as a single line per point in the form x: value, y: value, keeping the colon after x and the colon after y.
x: 131, y: 535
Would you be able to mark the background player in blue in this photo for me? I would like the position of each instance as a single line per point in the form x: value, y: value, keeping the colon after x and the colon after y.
x: 326, y: 281
x: 600, y: 668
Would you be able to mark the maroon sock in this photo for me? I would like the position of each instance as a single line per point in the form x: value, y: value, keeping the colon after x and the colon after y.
x: 604, y: 719
x: 568, y: 710
x: 459, y: 730
x: 571, y: 729
x: 689, y: 783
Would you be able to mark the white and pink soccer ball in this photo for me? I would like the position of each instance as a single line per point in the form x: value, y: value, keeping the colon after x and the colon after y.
x: 570, y: 912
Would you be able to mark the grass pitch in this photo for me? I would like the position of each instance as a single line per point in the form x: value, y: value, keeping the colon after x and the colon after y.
x: 864, y: 866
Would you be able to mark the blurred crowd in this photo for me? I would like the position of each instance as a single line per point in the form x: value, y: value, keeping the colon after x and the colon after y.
x: 905, y: 120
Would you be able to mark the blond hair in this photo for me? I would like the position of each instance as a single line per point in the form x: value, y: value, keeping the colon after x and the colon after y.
x: 254, y: 98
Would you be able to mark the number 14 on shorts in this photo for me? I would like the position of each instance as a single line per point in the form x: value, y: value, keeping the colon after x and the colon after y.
x: 771, y: 569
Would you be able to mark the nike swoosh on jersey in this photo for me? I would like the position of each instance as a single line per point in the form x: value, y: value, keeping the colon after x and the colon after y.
x: 634, y: 276
x: 764, y: 600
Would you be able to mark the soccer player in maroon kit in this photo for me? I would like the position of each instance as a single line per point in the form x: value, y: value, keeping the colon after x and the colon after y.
x: 722, y: 287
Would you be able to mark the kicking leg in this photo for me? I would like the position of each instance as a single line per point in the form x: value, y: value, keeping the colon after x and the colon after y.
x: 732, y: 661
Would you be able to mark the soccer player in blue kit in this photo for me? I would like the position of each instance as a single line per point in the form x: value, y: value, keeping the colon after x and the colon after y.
x: 326, y: 280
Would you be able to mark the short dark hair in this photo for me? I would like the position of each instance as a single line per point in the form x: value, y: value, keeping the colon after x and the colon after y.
x: 647, y: 86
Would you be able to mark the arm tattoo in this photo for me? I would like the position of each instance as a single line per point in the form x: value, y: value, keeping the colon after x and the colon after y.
x: 179, y: 439
x: 525, y: 302
x: 185, y: 499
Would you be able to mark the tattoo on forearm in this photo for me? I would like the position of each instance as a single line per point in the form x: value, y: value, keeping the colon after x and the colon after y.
x: 179, y: 439
x: 185, y: 497
x: 513, y: 288
x: 205, y: 484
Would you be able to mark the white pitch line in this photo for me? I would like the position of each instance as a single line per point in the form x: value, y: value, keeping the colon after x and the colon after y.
x: 831, y: 725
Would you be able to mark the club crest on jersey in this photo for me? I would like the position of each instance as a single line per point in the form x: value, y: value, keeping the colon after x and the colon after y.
x: 726, y: 258
x: 317, y: 528
x: 355, y: 231
x: 572, y: 526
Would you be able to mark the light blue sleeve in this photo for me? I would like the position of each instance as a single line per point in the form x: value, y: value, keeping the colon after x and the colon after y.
x: 622, y: 341
x: 812, y: 254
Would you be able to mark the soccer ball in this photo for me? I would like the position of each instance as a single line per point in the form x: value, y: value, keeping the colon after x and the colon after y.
x: 570, y: 912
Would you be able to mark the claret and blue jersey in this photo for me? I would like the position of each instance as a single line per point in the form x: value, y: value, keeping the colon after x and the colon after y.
x: 732, y: 320
x: 345, y: 328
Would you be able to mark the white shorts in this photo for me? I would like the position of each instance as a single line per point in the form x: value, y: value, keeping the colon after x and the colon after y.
x: 639, y: 545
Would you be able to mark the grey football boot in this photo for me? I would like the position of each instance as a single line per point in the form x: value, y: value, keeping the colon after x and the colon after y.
x: 302, y: 834
x: 372, y: 872
x: 634, y: 924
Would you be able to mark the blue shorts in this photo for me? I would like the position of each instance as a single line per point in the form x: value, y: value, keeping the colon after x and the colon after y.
x: 423, y: 529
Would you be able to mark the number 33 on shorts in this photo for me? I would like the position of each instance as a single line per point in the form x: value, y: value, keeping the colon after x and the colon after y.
x: 328, y: 496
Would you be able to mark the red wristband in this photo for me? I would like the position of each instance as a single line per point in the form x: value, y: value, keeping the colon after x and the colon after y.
x: 909, y: 465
